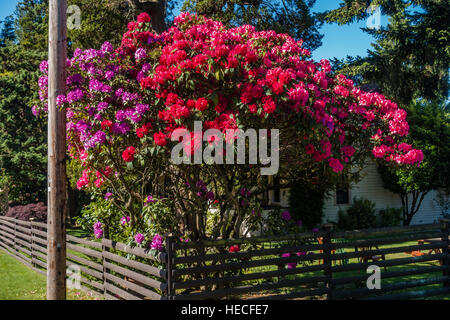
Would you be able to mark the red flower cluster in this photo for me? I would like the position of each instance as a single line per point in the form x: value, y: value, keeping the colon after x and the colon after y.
x: 160, y: 139
x: 233, y: 249
x: 144, y: 130
x: 128, y: 154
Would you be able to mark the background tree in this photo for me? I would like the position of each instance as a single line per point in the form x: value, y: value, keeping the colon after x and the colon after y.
x: 430, y: 130
x: 7, y: 31
x: 23, y: 147
x: 293, y: 17
x: 410, y: 57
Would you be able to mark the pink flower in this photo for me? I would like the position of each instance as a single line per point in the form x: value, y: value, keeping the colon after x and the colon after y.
x: 139, y: 238
x: 157, y: 242
x: 336, y: 165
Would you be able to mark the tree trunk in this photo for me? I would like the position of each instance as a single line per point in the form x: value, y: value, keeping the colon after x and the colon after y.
x: 155, y: 8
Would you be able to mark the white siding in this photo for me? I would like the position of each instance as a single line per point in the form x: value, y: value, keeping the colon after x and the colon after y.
x: 371, y: 187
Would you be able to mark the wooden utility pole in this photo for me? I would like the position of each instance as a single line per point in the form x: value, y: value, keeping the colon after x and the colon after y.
x: 57, y: 204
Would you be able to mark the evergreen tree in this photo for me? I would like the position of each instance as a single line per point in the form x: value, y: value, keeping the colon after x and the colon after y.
x: 7, y: 31
x: 410, y: 58
x: 23, y: 148
x: 293, y: 17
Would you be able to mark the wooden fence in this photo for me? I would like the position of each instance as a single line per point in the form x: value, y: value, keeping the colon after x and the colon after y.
x: 108, y: 269
x: 414, y: 263
x: 322, y: 265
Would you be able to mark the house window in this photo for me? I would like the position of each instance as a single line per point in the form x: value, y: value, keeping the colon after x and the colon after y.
x: 342, y: 196
x: 276, y: 190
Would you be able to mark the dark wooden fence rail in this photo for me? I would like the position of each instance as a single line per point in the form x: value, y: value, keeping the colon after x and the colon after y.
x: 325, y: 264
x: 108, y: 269
x: 330, y: 265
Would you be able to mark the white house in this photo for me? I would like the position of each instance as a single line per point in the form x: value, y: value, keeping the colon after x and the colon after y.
x: 369, y: 187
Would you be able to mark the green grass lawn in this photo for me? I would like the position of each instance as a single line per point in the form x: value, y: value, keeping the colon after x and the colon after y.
x: 18, y: 282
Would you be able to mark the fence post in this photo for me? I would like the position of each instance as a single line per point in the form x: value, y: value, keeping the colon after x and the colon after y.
x: 15, y: 236
x: 327, y: 259
x: 446, y: 250
x: 105, y: 270
x: 32, y: 242
x: 171, y: 253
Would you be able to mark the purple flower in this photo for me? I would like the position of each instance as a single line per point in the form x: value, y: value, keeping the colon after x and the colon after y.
x: 96, y: 85
x: 36, y: 111
x: 75, y: 95
x: 149, y: 200
x: 43, y: 82
x: 285, y: 215
x: 315, y: 230
x: 201, y: 185
x: 139, y: 238
x: 109, y: 75
x: 98, y: 232
x: 125, y: 220
x: 157, y: 242
x: 44, y: 66
x: 121, y: 115
x: 76, y: 78
x: 69, y: 114
x: 135, y: 118
x: 146, y: 68
x: 98, y: 138
x: 102, y: 106
x: 108, y: 195
x: 119, y: 92
x: 77, y: 52
x: 140, y: 54
x: 210, y: 195
x: 142, y: 108
x: 106, y: 47
x: 140, y: 76
x: 121, y: 128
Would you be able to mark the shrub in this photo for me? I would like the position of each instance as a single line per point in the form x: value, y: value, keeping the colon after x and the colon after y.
x: 38, y: 211
x: 390, y: 217
x: 361, y: 215
x: 126, y: 108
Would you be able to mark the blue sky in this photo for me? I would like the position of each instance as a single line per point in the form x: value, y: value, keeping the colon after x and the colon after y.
x: 339, y: 41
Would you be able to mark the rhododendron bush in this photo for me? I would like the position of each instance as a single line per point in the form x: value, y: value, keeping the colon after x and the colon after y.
x: 124, y: 104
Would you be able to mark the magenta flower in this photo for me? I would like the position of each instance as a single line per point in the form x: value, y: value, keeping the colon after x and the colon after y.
x: 290, y: 265
x: 124, y: 220
x: 157, y: 242
x: 98, y: 231
x: 285, y: 215
x: 150, y: 200
x: 139, y: 238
